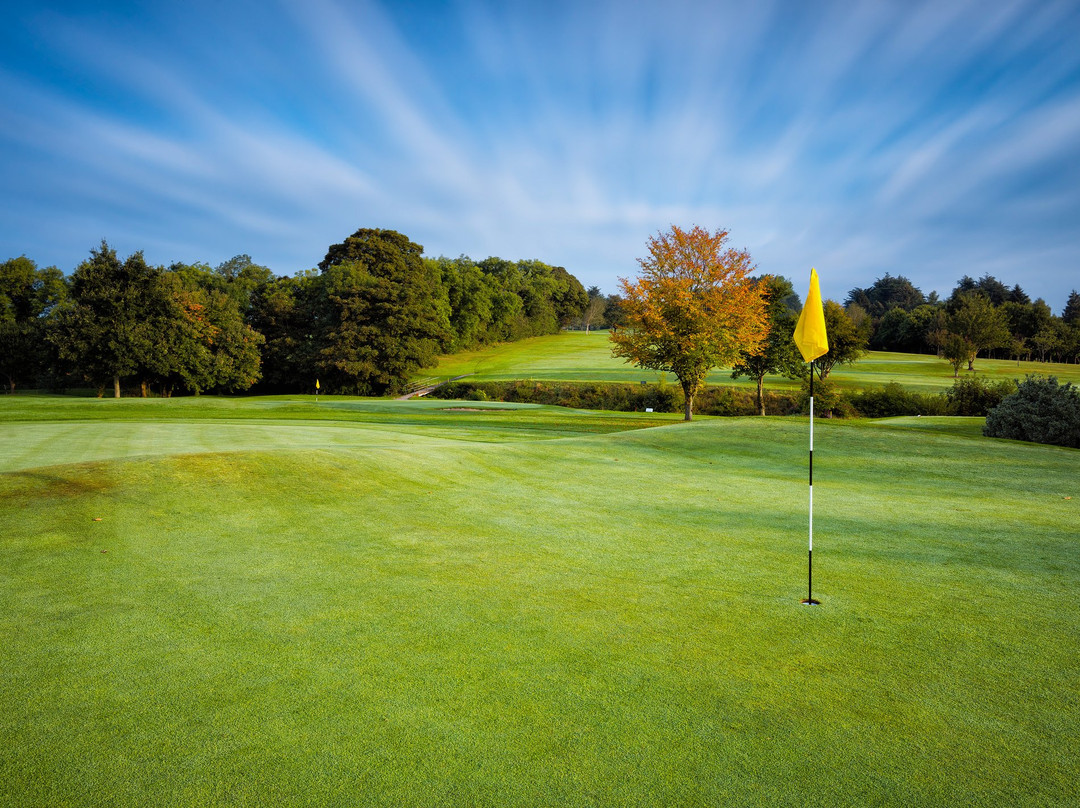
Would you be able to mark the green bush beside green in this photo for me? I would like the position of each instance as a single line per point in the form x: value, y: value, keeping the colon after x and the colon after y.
x: 975, y: 395
x: 1041, y: 411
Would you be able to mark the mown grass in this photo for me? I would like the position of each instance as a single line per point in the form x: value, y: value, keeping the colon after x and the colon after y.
x: 577, y: 356
x: 398, y: 615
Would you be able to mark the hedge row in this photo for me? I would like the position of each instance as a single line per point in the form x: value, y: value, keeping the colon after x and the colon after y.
x: 583, y: 396
x: 968, y: 396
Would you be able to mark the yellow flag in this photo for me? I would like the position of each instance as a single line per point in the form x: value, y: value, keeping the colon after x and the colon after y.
x: 316, y: 384
x: 810, y: 334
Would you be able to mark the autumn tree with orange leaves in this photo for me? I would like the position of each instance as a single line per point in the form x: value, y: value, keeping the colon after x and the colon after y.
x: 694, y: 307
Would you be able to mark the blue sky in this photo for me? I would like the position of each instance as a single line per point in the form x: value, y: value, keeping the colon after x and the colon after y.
x: 931, y: 140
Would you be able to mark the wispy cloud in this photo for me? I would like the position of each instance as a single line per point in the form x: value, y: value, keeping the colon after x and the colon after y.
x: 929, y: 139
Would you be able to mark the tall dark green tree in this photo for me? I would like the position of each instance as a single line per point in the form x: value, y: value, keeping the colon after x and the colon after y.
x: 108, y: 328
x: 887, y: 293
x: 387, y: 313
x: 290, y: 314
x: 469, y: 293
x: 27, y: 296
x: 204, y: 342
x: 1071, y: 314
x: 1018, y: 295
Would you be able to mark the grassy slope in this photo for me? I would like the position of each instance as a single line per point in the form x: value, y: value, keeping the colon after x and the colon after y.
x: 432, y: 614
x: 577, y: 356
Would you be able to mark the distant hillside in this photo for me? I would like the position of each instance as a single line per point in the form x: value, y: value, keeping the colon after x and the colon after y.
x: 574, y: 356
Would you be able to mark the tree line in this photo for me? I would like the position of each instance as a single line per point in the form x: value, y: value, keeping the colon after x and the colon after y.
x: 373, y: 313
x: 983, y: 316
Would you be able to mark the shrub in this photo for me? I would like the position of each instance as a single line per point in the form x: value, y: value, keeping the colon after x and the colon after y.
x: 1040, y: 411
x: 828, y: 400
x: 660, y: 397
x: 882, y: 402
x: 973, y: 395
x: 725, y: 401
x: 893, y: 399
x: 620, y: 397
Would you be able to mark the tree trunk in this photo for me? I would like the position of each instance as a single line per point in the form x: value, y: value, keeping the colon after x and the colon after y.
x: 688, y: 400
x: 116, y: 386
x: 761, y: 394
x: 143, y: 390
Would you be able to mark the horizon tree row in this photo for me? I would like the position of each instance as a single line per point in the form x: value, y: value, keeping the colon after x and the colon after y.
x: 982, y: 316
x: 373, y: 313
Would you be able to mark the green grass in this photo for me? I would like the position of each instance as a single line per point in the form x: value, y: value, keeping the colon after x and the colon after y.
x: 577, y: 356
x: 394, y: 603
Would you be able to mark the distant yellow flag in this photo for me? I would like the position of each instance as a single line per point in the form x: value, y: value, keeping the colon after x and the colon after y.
x: 316, y: 384
x: 810, y: 334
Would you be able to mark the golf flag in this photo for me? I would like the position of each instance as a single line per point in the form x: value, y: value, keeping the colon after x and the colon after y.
x: 810, y: 336
x: 316, y: 384
x: 812, y: 342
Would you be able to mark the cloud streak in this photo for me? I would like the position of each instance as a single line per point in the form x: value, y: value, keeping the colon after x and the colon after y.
x: 931, y: 140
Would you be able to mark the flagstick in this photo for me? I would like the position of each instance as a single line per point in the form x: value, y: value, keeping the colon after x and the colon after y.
x: 810, y: 556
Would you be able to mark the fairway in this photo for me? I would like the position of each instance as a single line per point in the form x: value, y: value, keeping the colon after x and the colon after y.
x: 574, y: 356
x: 269, y: 601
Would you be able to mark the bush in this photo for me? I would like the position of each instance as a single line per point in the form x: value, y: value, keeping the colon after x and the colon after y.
x: 973, y: 395
x: 618, y: 397
x: 829, y: 402
x: 1040, y: 411
x: 893, y: 399
x: 729, y: 401
x: 725, y: 401
x: 660, y: 397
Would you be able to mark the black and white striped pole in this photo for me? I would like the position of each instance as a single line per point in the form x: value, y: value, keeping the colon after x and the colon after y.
x: 810, y: 553
x: 812, y: 340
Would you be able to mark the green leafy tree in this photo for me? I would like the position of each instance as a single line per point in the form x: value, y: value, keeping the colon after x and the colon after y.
x: 955, y: 349
x: 887, y: 293
x: 1051, y: 340
x: 387, y: 313
x: 778, y: 353
x: 980, y: 323
x: 27, y: 296
x: 204, y: 341
x: 847, y: 339
x: 1071, y: 314
x: 973, y: 395
x: 1018, y: 295
x: 1025, y: 320
x: 469, y: 293
x: 107, y: 328
x: 613, y: 313
x: 290, y: 314
x: 568, y: 297
x: 242, y: 278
